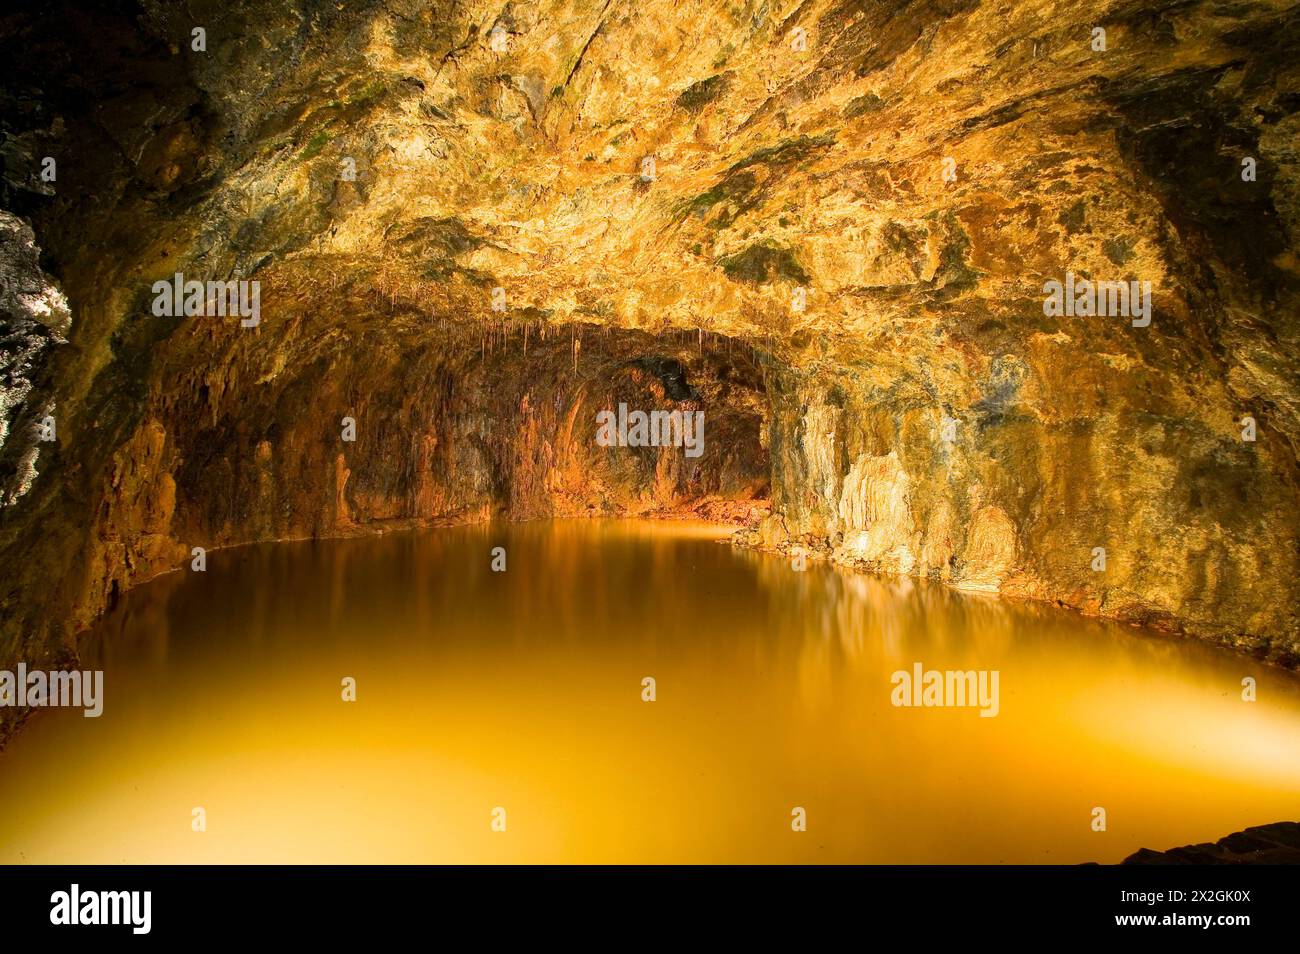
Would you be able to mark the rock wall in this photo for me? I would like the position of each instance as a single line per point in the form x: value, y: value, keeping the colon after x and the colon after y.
x: 34, y: 320
x: 1017, y: 496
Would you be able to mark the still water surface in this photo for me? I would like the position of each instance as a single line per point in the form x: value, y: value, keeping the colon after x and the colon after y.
x: 522, y: 690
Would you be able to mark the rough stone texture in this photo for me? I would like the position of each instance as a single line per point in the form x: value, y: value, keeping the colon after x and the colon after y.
x: 34, y: 318
x: 1275, y: 844
x: 773, y: 169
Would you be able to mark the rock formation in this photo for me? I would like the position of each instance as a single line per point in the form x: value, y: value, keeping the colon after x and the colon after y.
x: 1275, y: 844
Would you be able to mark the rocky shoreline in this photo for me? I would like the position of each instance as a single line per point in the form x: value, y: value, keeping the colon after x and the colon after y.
x: 1274, y: 844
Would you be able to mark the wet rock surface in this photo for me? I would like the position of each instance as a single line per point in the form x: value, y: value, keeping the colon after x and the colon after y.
x: 34, y: 319
x: 774, y: 211
x: 1275, y: 844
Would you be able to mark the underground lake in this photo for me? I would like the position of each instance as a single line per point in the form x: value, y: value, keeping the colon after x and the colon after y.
x: 396, y: 698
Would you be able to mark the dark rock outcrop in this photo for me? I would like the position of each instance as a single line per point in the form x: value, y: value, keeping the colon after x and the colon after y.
x: 1275, y: 844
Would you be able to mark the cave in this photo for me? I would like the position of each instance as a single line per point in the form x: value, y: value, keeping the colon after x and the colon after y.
x: 520, y: 399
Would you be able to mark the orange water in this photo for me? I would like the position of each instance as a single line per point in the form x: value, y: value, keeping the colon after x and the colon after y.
x: 522, y: 691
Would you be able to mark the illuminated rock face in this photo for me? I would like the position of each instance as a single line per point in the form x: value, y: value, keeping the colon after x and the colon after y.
x: 841, y: 219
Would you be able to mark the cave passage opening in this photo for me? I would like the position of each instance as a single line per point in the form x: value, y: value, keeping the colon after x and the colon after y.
x: 470, y: 421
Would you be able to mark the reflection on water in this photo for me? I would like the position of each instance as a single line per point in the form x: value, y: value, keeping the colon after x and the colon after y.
x: 522, y: 690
